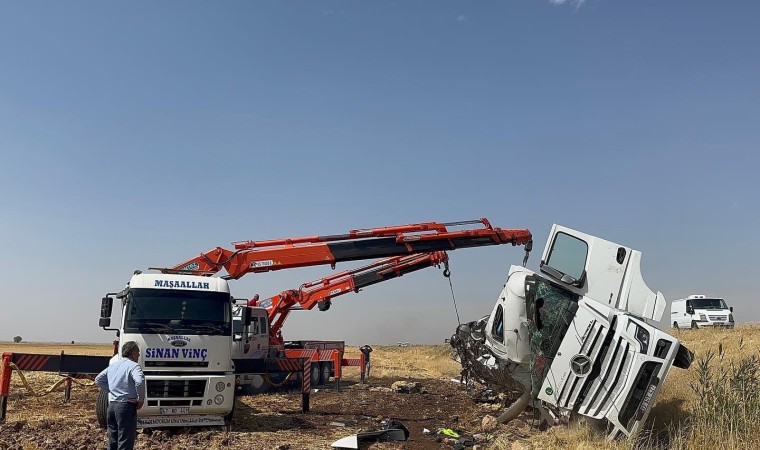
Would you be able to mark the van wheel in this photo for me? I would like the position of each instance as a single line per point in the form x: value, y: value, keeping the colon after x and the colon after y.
x: 694, y: 325
x: 101, y: 409
x: 675, y: 325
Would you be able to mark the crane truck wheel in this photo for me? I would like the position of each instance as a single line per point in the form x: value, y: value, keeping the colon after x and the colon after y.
x: 675, y: 325
x: 315, y: 374
x: 101, y: 408
x: 324, y: 377
x: 228, y: 417
x: 694, y: 325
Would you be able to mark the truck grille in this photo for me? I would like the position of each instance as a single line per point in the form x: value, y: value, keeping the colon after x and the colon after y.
x: 718, y: 318
x: 175, y: 388
x: 590, y: 395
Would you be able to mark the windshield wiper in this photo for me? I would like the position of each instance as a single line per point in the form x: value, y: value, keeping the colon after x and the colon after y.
x: 155, y: 326
x: 211, y: 328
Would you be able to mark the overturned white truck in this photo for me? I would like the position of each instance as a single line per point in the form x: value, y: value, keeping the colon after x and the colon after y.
x: 576, y: 338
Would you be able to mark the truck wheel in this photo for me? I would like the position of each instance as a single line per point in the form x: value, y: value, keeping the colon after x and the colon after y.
x: 228, y: 417
x: 315, y: 372
x: 326, y: 369
x: 675, y: 325
x: 255, y: 386
x: 101, y: 408
x: 694, y: 325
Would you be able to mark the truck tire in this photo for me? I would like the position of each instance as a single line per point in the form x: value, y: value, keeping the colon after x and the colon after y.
x: 694, y: 325
x: 228, y: 417
x: 324, y: 377
x: 255, y: 386
x: 101, y: 409
x: 675, y: 325
x: 315, y: 374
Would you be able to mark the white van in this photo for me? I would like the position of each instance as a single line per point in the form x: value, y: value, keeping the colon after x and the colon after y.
x: 698, y: 311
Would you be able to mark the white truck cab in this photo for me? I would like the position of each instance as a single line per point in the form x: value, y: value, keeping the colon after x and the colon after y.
x: 578, y: 337
x: 699, y: 311
x: 183, y: 326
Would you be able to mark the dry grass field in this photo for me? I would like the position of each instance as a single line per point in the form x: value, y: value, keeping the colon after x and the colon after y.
x: 715, y: 404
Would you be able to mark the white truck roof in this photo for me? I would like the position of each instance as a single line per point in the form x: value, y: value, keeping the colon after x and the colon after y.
x: 187, y: 282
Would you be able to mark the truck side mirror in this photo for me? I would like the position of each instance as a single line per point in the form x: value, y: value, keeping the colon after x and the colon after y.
x: 246, y: 316
x: 106, y: 306
x: 689, y: 310
x: 731, y: 308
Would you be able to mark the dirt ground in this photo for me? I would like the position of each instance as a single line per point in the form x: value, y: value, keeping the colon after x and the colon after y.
x: 269, y: 421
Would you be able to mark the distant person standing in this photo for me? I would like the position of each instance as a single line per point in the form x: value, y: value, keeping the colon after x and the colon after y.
x: 123, y: 381
x: 366, y: 350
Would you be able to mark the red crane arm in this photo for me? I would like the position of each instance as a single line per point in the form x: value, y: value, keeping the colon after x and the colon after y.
x: 315, y: 292
x: 278, y: 254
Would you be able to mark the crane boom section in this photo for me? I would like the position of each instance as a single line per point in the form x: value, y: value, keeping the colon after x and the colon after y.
x: 312, y: 293
x: 385, y: 242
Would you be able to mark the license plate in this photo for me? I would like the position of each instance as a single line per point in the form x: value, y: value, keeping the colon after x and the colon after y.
x: 647, y: 399
x: 174, y: 410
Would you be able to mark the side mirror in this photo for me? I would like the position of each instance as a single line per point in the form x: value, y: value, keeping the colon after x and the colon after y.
x: 731, y: 308
x: 689, y: 310
x: 106, y: 306
x: 246, y: 316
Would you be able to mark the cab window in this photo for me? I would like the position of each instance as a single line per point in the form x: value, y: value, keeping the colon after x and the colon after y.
x: 567, y: 259
x: 497, y: 331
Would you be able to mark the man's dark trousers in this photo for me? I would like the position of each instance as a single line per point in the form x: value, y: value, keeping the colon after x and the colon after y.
x: 122, y: 425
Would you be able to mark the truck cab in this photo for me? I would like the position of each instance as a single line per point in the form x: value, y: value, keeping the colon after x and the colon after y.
x: 700, y: 311
x: 183, y: 326
x: 577, y: 335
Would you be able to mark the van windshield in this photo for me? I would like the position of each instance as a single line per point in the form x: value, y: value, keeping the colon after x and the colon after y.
x: 708, y: 303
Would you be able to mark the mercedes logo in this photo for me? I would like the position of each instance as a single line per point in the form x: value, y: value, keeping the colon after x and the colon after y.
x: 580, y: 365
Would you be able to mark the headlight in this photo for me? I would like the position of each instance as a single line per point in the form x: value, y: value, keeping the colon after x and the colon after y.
x: 703, y: 318
x: 642, y: 335
x: 220, y: 386
x: 219, y: 399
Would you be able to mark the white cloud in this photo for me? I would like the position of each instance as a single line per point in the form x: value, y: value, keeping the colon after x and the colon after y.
x: 577, y: 3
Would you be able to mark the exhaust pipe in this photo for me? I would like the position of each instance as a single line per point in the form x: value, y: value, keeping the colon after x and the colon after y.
x: 515, y: 408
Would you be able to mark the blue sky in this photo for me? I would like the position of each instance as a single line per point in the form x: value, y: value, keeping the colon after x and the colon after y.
x: 140, y: 134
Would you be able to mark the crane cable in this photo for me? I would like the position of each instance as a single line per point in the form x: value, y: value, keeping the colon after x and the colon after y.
x: 447, y: 274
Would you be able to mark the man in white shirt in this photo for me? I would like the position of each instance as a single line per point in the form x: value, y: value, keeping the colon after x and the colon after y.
x: 123, y: 381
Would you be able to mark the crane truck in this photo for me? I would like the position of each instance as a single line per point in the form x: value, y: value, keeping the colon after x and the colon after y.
x: 264, y: 334
x: 574, y: 338
x: 182, y: 317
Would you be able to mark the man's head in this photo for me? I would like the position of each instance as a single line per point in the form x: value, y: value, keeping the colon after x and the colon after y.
x: 130, y: 350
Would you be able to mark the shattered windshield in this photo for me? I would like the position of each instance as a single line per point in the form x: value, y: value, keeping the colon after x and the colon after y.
x: 550, y: 311
x: 708, y: 303
x: 178, y: 311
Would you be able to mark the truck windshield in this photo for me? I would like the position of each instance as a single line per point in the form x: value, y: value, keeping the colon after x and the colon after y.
x: 550, y: 311
x: 175, y: 311
x: 708, y: 303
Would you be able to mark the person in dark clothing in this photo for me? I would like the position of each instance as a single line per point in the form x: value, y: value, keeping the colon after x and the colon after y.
x: 366, y: 350
x: 123, y: 381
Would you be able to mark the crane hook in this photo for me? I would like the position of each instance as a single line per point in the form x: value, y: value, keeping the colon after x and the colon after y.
x: 446, y: 271
x: 528, y: 248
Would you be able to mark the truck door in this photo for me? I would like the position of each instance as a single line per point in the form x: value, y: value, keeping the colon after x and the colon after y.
x: 600, y: 270
x: 257, y: 343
